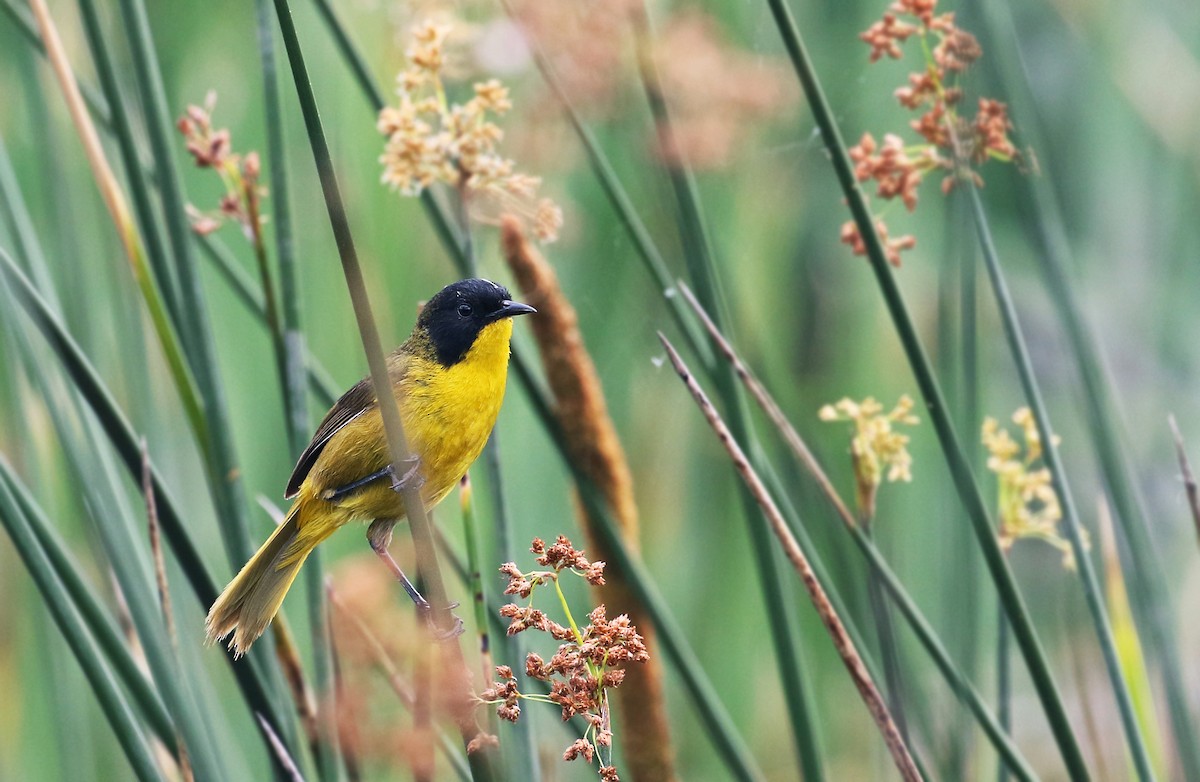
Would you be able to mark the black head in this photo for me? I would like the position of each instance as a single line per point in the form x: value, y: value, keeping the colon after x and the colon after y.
x: 456, y: 315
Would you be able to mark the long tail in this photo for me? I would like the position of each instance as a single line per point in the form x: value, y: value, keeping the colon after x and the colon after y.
x: 254, y: 595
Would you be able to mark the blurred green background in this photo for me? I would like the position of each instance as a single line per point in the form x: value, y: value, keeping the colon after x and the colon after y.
x: 1110, y: 99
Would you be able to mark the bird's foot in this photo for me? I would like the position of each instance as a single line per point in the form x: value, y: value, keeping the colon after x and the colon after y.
x: 410, y: 479
x: 440, y: 634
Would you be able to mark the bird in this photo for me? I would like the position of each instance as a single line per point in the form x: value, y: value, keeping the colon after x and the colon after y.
x: 448, y: 379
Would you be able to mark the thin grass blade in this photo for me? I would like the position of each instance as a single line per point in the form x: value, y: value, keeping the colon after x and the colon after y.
x: 116, y: 709
x: 960, y: 469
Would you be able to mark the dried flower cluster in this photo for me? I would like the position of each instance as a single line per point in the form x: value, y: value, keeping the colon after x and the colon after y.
x: 588, y: 663
x: 1028, y: 504
x: 952, y: 142
x: 584, y: 44
x: 432, y: 140
x: 875, y: 444
x: 240, y: 174
x: 716, y: 91
x: 380, y: 646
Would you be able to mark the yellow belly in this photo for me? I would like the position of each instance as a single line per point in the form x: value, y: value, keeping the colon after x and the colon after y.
x: 448, y: 414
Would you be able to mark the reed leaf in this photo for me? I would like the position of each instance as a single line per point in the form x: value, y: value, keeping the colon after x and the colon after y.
x: 701, y: 267
x: 57, y: 599
x: 1087, y: 571
x: 127, y: 444
x: 1151, y: 594
x: 960, y: 469
x: 713, y: 714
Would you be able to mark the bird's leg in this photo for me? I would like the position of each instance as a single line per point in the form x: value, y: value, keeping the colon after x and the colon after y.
x: 379, y: 535
x: 410, y: 479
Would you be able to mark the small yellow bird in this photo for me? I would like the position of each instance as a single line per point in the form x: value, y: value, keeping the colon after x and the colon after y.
x: 449, y: 379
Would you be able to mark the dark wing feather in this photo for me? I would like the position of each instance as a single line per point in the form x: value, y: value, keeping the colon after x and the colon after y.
x: 353, y: 403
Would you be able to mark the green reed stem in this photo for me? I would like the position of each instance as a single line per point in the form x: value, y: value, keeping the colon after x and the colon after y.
x: 482, y: 763
x: 740, y: 763
x: 959, y: 683
x: 162, y: 273
x: 1152, y: 594
x: 98, y: 623
x: 291, y: 356
x: 250, y: 677
x: 701, y: 267
x: 960, y: 469
x: 1087, y: 572
x: 225, y: 475
x: 112, y: 701
x: 712, y: 713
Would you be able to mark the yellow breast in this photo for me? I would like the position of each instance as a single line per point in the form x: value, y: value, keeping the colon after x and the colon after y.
x: 448, y: 414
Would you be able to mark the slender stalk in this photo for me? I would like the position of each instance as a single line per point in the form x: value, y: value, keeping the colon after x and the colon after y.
x: 1185, y: 471
x: 889, y: 645
x: 475, y: 579
x: 114, y: 200
x: 619, y: 199
x: 721, y: 729
x: 1087, y: 572
x: 281, y: 751
x: 291, y: 356
x: 418, y: 521
x: 164, y: 594
x: 1152, y: 591
x: 702, y: 270
x: 396, y: 681
x: 1003, y: 682
x: 845, y: 647
x: 959, y: 683
x: 711, y: 711
x: 116, y: 426
x: 112, y: 701
x: 960, y: 469
x: 224, y: 473
x: 96, y: 619
x: 244, y: 287
x: 27, y: 27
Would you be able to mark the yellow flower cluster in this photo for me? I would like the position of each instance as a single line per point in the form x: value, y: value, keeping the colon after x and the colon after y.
x: 1028, y: 504
x: 431, y: 140
x: 876, y: 444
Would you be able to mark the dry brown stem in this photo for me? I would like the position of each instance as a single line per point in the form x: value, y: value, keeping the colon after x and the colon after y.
x: 837, y: 631
x: 595, y: 448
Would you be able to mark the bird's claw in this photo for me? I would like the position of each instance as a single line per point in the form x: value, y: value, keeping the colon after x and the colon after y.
x: 457, y: 628
x: 412, y: 477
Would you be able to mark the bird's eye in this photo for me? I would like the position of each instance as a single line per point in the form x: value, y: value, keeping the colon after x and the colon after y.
x: 464, y: 310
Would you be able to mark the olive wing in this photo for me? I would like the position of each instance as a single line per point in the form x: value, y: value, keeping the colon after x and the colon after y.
x: 359, y: 399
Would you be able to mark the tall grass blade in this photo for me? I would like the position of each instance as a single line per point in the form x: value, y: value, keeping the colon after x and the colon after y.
x: 482, y: 763
x: 959, y: 683
x: 121, y: 434
x: 25, y: 24
x: 291, y: 355
x: 1151, y: 593
x: 114, y: 198
x: 248, y: 292
x: 1087, y: 571
x: 699, y: 260
x: 167, y: 284
x: 957, y: 462
x: 712, y: 713
x: 99, y: 624
x: 126, y: 551
x: 225, y: 479
x: 112, y: 702
x: 850, y: 658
